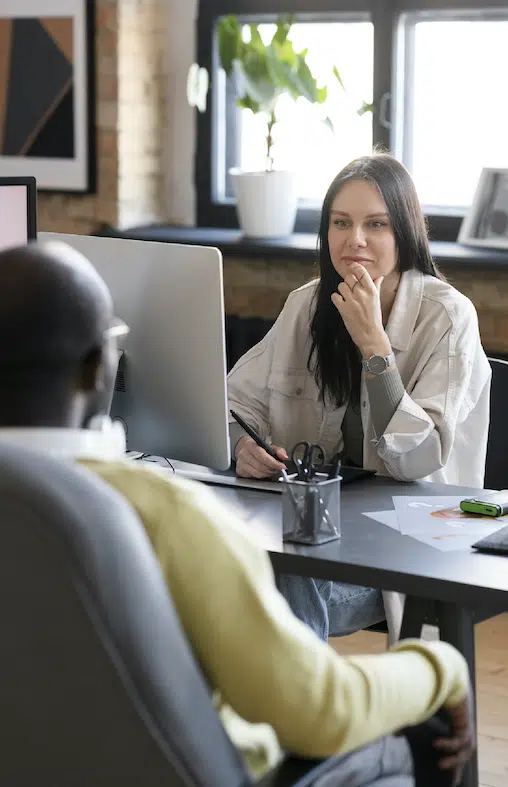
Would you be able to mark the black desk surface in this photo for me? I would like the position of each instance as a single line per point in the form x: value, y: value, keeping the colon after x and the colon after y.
x: 375, y: 555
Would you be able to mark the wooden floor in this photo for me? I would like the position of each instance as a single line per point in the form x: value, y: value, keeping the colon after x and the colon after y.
x: 492, y: 683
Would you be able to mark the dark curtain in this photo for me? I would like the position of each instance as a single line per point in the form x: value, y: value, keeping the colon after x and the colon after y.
x: 242, y: 333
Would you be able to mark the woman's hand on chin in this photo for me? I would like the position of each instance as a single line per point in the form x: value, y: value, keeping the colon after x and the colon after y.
x: 358, y: 302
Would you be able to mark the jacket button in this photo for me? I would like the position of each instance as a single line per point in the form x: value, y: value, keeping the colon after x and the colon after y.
x: 299, y: 391
x: 364, y: 404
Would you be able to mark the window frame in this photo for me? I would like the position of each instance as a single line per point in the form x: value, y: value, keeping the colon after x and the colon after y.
x: 387, y: 17
x: 402, y: 142
x: 223, y: 214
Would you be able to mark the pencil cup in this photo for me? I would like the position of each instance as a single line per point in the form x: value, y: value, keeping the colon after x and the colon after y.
x: 311, y: 510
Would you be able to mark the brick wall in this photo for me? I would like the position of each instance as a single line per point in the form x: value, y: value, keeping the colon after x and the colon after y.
x: 258, y: 288
x: 82, y: 214
x: 145, y: 139
x: 488, y: 290
x: 144, y: 150
x: 142, y: 111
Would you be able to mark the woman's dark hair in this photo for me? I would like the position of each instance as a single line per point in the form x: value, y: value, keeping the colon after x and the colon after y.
x: 334, y: 359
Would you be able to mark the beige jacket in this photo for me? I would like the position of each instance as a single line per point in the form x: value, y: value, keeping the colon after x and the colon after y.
x: 439, y: 431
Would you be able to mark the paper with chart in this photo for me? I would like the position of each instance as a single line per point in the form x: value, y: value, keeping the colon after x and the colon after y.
x: 437, y: 521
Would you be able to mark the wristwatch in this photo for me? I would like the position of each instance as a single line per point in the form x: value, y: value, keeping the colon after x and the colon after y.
x: 377, y: 364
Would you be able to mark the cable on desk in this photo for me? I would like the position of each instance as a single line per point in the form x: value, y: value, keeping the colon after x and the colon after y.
x: 146, y: 458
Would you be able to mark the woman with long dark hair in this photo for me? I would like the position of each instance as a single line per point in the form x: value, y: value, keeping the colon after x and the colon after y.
x: 379, y: 359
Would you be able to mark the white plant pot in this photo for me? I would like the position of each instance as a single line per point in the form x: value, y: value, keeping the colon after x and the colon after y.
x: 266, y: 202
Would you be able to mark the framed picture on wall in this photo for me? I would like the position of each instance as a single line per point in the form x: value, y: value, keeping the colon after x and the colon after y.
x: 47, y: 93
x: 486, y: 223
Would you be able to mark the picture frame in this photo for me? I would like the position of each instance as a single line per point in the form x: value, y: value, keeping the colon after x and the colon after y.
x: 486, y: 223
x: 47, y: 93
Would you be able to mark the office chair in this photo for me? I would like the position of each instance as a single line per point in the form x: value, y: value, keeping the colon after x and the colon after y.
x: 99, y: 686
x: 496, y: 466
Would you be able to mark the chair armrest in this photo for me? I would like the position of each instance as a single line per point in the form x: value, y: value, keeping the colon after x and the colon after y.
x: 296, y: 772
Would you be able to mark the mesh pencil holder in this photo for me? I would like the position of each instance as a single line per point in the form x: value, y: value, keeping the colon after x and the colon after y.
x: 311, y: 510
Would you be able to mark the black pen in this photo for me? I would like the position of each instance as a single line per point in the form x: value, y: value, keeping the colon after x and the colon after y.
x: 257, y: 439
x: 335, y: 468
x: 269, y: 450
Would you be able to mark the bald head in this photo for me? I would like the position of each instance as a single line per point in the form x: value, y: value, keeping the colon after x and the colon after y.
x: 54, y: 310
x: 53, y: 305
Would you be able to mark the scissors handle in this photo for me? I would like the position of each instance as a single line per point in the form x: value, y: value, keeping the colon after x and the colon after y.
x: 313, y: 463
x: 307, y: 457
x: 301, y: 468
x: 298, y: 457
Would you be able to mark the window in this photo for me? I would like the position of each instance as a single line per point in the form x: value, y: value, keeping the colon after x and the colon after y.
x: 455, y: 116
x: 303, y: 143
x: 434, y: 72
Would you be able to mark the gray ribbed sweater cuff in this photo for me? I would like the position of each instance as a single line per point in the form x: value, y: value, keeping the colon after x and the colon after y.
x: 385, y: 393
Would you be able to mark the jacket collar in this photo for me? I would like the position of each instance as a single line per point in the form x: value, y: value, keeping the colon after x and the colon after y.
x: 405, y: 310
x: 106, y: 444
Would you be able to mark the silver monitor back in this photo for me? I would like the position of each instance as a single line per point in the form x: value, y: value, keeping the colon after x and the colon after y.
x: 171, y: 387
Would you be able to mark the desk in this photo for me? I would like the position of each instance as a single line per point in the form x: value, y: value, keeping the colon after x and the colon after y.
x: 451, y: 587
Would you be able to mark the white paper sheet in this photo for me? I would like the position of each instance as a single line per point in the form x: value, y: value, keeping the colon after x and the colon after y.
x: 384, y: 517
x: 440, y: 517
x: 415, y: 517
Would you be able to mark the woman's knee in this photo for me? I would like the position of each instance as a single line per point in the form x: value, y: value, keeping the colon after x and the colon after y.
x: 308, y: 600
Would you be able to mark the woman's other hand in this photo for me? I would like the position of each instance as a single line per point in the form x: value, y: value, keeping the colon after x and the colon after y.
x: 252, y: 461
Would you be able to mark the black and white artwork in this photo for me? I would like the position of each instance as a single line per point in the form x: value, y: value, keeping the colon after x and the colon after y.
x: 486, y: 223
x: 47, y: 104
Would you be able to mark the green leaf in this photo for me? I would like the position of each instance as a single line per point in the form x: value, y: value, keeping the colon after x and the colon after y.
x: 255, y: 63
x: 248, y: 103
x: 255, y: 37
x: 292, y: 75
x: 321, y: 94
x: 264, y: 72
x: 338, y: 77
x: 254, y: 80
x: 284, y: 24
x: 286, y: 53
x: 365, y: 107
x: 229, y: 35
x: 309, y: 88
x: 329, y: 122
x: 283, y: 74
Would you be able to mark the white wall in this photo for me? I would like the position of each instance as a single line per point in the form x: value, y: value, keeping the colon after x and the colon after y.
x: 181, y: 132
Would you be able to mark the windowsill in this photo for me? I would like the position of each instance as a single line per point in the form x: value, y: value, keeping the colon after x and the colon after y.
x: 297, y: 246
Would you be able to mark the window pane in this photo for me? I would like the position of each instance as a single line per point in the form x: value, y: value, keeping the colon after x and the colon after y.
x: 460, y: 112
x: 303, y: 143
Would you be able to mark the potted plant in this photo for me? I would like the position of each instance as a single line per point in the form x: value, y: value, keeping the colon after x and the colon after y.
x: 266, y: 201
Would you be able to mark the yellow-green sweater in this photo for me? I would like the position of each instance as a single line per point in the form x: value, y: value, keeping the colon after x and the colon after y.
x: 266, y: 666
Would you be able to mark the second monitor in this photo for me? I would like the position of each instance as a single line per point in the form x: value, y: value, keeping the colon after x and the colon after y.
x: 171, y: 388
x: 18, y: 211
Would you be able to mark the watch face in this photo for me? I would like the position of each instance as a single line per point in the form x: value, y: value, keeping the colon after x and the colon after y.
x: 377, y: 364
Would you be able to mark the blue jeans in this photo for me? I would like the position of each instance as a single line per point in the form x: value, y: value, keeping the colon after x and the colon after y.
x: 331, y: 609
x: 384, y: 763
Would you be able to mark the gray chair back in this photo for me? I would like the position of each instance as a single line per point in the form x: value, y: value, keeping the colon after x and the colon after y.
x: 99, y: 687
x: 496, y: 465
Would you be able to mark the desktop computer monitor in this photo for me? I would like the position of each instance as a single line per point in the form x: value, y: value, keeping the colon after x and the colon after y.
x: 18, y: 211
x: 171, y: 384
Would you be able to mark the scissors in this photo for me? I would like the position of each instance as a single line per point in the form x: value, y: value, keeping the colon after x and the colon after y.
x: 308, y: 458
